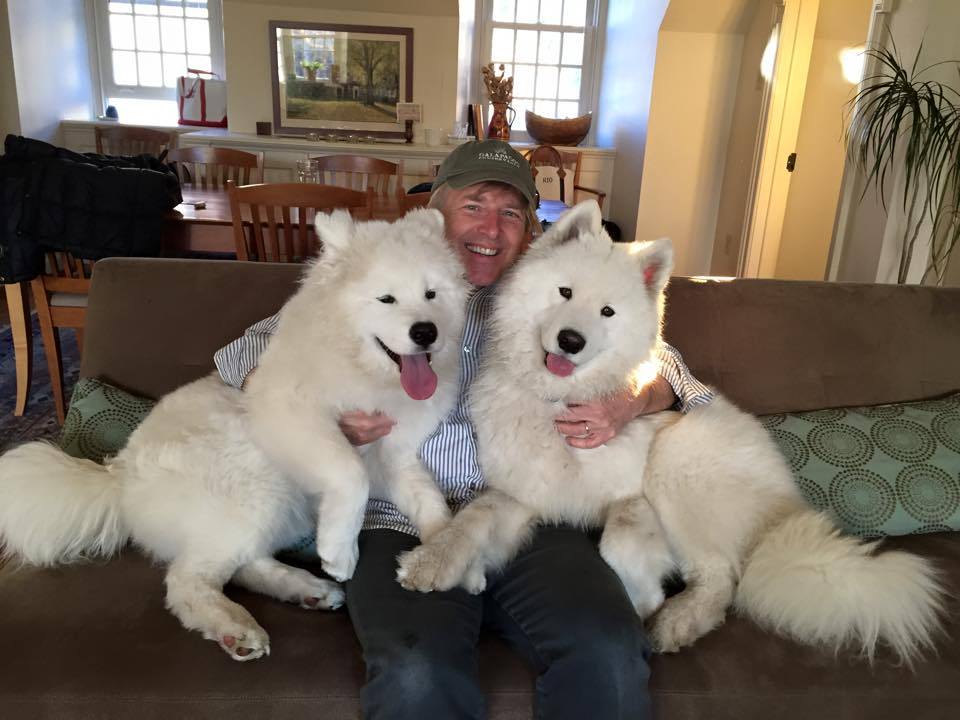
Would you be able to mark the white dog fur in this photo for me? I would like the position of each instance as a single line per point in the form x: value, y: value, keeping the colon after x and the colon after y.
x: 216, y: 480
x: 707, y: 492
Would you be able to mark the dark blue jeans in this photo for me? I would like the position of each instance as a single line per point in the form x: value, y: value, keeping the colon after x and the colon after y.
x: 557, y: 604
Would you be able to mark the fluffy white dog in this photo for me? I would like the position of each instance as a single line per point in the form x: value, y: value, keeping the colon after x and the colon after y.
x: 215, y: 480
x: 707, y: 492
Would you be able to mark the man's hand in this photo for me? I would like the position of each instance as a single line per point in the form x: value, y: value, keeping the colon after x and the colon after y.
x: 592, y: 424
x: 362, y: 428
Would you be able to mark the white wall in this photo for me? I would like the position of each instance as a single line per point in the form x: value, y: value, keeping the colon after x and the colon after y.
x: 51, y: 63
x: 747, y: 114
x: 694, y: 89
x: 249, y: 93
x: 870, y: 241
x: 626, y: 84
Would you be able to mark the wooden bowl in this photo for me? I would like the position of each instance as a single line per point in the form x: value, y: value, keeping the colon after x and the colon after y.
x: 547, y: 131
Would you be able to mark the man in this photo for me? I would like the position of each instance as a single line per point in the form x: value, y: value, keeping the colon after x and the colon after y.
x: 557, y: 604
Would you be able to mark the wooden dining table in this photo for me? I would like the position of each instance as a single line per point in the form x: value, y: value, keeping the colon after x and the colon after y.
x: 202, y: 223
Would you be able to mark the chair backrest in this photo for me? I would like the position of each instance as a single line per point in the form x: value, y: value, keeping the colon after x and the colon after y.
x: 133, y: 140
x: 359, y: 172
x: 64, y: 273
x: 416, y: 200
x: 213, y: 167
x: 273, y: 222
x: 548, y: 155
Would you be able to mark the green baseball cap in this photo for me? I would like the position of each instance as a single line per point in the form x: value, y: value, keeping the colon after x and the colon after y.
x: 487, y: 161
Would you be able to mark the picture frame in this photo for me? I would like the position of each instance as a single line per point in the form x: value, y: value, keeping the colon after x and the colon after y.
x: 339, y: 81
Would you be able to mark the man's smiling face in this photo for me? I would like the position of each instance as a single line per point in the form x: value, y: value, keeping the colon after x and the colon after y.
x: 486, y: 226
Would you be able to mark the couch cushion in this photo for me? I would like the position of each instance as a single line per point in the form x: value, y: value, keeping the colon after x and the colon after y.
x: 879, y: 470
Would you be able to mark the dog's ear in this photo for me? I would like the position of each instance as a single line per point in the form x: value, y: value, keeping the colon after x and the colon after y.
x: 335, y: 231
x: 582, y: 219
x: 428, y: 219
x: 655, y: 262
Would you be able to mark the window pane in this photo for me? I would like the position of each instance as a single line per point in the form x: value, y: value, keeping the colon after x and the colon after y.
x: 547, y: 108
x: 148, y: 33
x: 199, y: 62
x: 171, y: 30
x: 121, y: 32
x: 569, y: 84
x: 198, y: 37
x: 503, y: 10
x: 521, y: 106
x: 149, y: 69
x: 172, y: 8
x: 527, y: 11
x: 174, y: 65
x: 501, y: 46
x: 549, y: 48
x: 550, y: 11
x: 546, y: 82
x: 568, y: 109
x: 120, y: 7
x: 196, y: 8
x: 572, y: 49
x: 526, y: 46
x: 575, y: 12
x: 124, y: 67
x: 145, y: 112
x: 145, y: 7
x: 523, y: 81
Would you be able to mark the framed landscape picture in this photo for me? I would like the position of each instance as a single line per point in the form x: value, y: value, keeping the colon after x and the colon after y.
x: 340, y: 79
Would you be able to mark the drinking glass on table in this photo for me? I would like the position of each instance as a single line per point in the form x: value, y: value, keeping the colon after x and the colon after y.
x: 308, y: 171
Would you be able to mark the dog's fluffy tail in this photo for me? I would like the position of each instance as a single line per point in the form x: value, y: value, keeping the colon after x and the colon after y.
x: 55, y: 508
x: 807, y: 581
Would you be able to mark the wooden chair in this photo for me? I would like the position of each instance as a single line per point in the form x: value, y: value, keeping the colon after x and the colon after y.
x: 279, y: 217
x: 123, y: 140
x: 60, y: 297
x: 416, y: 200
x: 565, y: 163
x: 359, y: 172
x: 212, y: 167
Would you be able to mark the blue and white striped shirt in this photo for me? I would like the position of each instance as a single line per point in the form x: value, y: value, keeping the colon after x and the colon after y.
x: 450, y: 452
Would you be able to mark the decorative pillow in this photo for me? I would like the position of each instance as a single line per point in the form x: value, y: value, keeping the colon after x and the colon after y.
x: 880, y: 470
x: 100, y: 419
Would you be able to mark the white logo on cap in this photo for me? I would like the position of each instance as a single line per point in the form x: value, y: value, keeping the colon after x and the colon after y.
x: 499, y: 157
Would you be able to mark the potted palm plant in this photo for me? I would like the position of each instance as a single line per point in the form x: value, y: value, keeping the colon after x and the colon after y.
x: 903, y: 123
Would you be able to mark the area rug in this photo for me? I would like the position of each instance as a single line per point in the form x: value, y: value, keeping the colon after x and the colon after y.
x: 40, y: 419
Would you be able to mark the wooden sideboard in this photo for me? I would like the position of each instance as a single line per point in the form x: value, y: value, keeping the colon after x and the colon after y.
x: 281, y: 153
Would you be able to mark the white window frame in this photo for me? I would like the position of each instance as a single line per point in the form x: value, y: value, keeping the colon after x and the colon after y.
x: 590, y: 72
x: 104, y: 87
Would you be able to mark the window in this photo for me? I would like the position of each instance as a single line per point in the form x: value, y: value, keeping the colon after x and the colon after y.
x: 548, y: 48
x: 143, y: 46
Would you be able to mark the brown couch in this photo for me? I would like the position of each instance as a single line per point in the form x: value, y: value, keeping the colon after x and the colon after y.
x: 94, y: 641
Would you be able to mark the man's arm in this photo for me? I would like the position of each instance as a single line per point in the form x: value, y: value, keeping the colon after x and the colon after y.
x: 593, y: 424
x: 236, y: 360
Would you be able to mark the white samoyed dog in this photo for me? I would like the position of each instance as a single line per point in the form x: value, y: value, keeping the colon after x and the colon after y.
x: 706, y: 493
x: 216, y: 480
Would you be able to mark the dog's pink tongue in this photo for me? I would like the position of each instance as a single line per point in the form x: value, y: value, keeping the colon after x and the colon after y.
x: 417, y: 377
x: 559, y: 365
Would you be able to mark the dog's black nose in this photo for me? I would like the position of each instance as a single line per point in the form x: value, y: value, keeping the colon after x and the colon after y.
x: 423, y: 334
x: 571, y: 341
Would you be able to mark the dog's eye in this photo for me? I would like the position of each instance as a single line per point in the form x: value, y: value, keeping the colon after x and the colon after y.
x: 430, y: 294
x: 566, y: 292
x: 387, y: 299
x: 607, y: 311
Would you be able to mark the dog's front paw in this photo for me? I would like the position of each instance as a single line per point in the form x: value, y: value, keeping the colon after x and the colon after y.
x: 242, y: 643
x: 340, y: 562
x: 427, y: 568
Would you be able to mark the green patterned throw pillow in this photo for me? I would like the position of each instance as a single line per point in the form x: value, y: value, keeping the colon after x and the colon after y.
x: 100, y: 419
x: 880, y: 470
